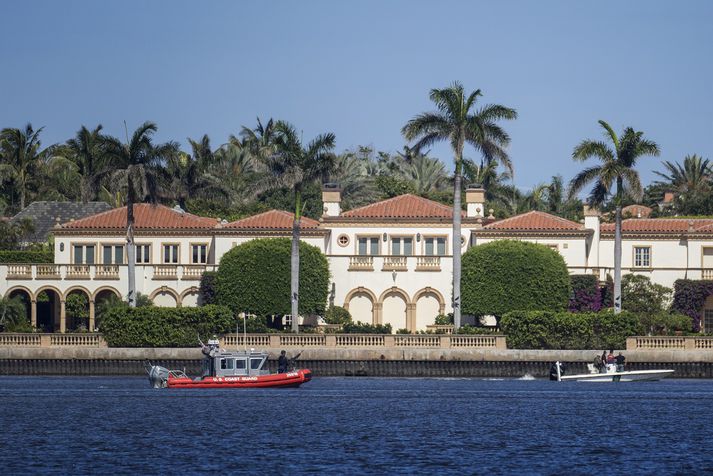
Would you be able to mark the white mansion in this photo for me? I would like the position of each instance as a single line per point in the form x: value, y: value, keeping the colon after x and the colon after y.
x: 390, y: 261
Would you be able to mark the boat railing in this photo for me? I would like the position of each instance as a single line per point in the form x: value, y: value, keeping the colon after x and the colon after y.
x: 177, y: 374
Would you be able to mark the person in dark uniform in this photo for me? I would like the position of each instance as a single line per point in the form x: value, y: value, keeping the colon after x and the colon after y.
x: 620, y: 362
x: 282, y: 363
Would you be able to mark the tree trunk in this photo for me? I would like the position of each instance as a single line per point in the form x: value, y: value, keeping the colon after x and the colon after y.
x: 295, y: 263
x: 617, y: 251
x: 456, y: 248
x: 130, y: 248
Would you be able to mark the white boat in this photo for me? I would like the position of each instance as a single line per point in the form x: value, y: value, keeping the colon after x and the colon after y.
x: 612, y: 375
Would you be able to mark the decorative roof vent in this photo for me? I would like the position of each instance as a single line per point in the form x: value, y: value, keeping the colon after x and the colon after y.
x: 178, y: 209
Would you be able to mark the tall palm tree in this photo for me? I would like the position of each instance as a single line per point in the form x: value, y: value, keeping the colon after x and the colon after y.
x: 457, y: 122
x: 138, y: 163
x: 618, y: 160
x: 298, y: 165
x: 86, y: 153
x: 693, y: 177
x: 425, y: 174
x: 21, y: 157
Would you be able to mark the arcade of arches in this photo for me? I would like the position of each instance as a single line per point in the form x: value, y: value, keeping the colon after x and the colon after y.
x: 394, y: 306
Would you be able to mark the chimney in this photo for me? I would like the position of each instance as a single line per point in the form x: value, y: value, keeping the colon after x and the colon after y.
x: 331, y: 200
x: 668, y: 197
x: 475, y: 201
x: 591, y: 222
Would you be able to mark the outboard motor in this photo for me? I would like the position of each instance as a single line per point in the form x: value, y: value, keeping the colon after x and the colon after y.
x: 158, y: 376
x: 556, y: 371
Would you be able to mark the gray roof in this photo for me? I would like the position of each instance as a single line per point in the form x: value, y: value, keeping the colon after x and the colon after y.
x: 45, y: 215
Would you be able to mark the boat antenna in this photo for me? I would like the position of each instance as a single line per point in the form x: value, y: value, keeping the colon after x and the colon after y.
x: 245, y: 331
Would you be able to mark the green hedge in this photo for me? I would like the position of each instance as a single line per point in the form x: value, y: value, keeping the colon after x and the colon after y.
x: 566, y: 330
x: 337, y: 315
x: 507, y: 275
x: 255, y: 277
x: 363, y: 328
x: 165, y: 326
x: 26, y: 256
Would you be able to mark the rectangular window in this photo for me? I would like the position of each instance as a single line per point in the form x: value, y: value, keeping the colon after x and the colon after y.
x: 368, y: 246
x: 240, y: 364
x: 113, y: 254
x: 436, y: 246
x: 708, y: 320
x: 83, y: 254
x: 199, y: 254
x: 170, y: 254
x: 642, y: 256
x: 143, y: 254
x: 402, y: 246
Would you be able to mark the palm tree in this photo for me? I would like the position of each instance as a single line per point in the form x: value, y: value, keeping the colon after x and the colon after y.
x: 138, y: 163
x: 425, y: 174
x: 187, y: 175
x: 85, y: 157
x: 352, y: 174
x: 21, y: 157
x: 616, y: 169
x: 694, y: 177
x: 457, y: 122
x: 295, y: 165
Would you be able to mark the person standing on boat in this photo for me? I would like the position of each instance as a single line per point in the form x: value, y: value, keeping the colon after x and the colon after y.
x: 603, y: 369
x: 620, y: 362
x: 610, y: 358
x: 282, y: 363
x: 598, y: 363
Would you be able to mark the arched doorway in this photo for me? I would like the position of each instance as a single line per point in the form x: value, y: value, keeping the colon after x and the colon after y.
x: 164, y: 298
x: 394, y: 308
x: 49, y: 309
x: 77, y: 309
x: 429, y: 304
x: 189, y: 298
x: 360, y: 304
x: 24, y: 297
x: 104, y: 299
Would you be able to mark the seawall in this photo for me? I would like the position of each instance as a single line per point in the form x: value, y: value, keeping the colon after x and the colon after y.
x: 351, y: 362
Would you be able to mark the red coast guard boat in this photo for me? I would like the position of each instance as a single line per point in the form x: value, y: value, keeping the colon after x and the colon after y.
x: 225, y: 369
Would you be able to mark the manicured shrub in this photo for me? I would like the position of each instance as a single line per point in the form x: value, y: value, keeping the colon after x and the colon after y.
x: 586, y: 295
x: 337, y: 315
x: 444, y: 319
x: 123, y: 326
x: 206, y: 289
x: 507, y: 275
x: 640, y: 296
x: 689, y: 297
x: 566, y: 330
x: 665, y: 323
x: 255, y: 277
x: 363, y: 328
x: 77, y: 309
x: 26, y: 257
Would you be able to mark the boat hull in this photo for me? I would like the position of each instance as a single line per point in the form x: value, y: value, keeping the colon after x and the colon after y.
x: 287, y: 379
x: 629, y: 376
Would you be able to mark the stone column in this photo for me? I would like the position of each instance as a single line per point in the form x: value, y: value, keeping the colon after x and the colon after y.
x: 377, y: 313
x: 62, y: 317
x: 411, y: 317
x: 33, y: 312
x: 91, y: 315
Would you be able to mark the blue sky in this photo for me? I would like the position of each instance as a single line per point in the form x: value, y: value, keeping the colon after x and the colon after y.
x: 362, y: 69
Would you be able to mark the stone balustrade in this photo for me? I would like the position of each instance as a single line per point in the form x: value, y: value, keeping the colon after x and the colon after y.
x: 435, y: 341
x: 395, y: 263
x: 51, y: 340
x: 39, y: 272
x: 361, y: 263
x: 669, y: 343
x: 707, y: 274
x: 428, y: 263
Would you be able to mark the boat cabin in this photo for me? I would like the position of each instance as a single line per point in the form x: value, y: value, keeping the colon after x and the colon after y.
x: 222, y: 363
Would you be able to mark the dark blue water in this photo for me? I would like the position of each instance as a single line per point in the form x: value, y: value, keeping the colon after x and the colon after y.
x: 361, y: 425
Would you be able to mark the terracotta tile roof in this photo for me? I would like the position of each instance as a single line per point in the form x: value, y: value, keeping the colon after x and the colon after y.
x: 403, y: 206
x: 146, y: 217
x: 535, y: 221
x: 638, y: 211
x: 661, y: 225
x: 272, y: 220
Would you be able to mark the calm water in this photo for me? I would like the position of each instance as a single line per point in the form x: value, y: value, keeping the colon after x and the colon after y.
x: 360, y: 425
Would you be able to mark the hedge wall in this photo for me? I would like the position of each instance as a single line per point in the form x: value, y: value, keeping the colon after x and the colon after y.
x: 26, y: 256
x: 566, y: 330
x: 507, y: 275
x: 165, y: 326
x: 689, y: 297
x: 255, y: 277
x: 586, y: 295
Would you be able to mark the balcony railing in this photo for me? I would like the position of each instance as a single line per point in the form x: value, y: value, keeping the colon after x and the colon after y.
x: 165, y: 272
x: 707, y: 274
x: 361, y: 263
x: 43, y: 271
x: 107, y: 271
x: 48, y: 271
x: 395, y: 263
x: 19, y: 271
x: 193, y: 272
x: 428, y: 263
x: 78, y: 271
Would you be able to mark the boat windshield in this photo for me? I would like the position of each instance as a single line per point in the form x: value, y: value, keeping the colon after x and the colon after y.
x: 256, y: 363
